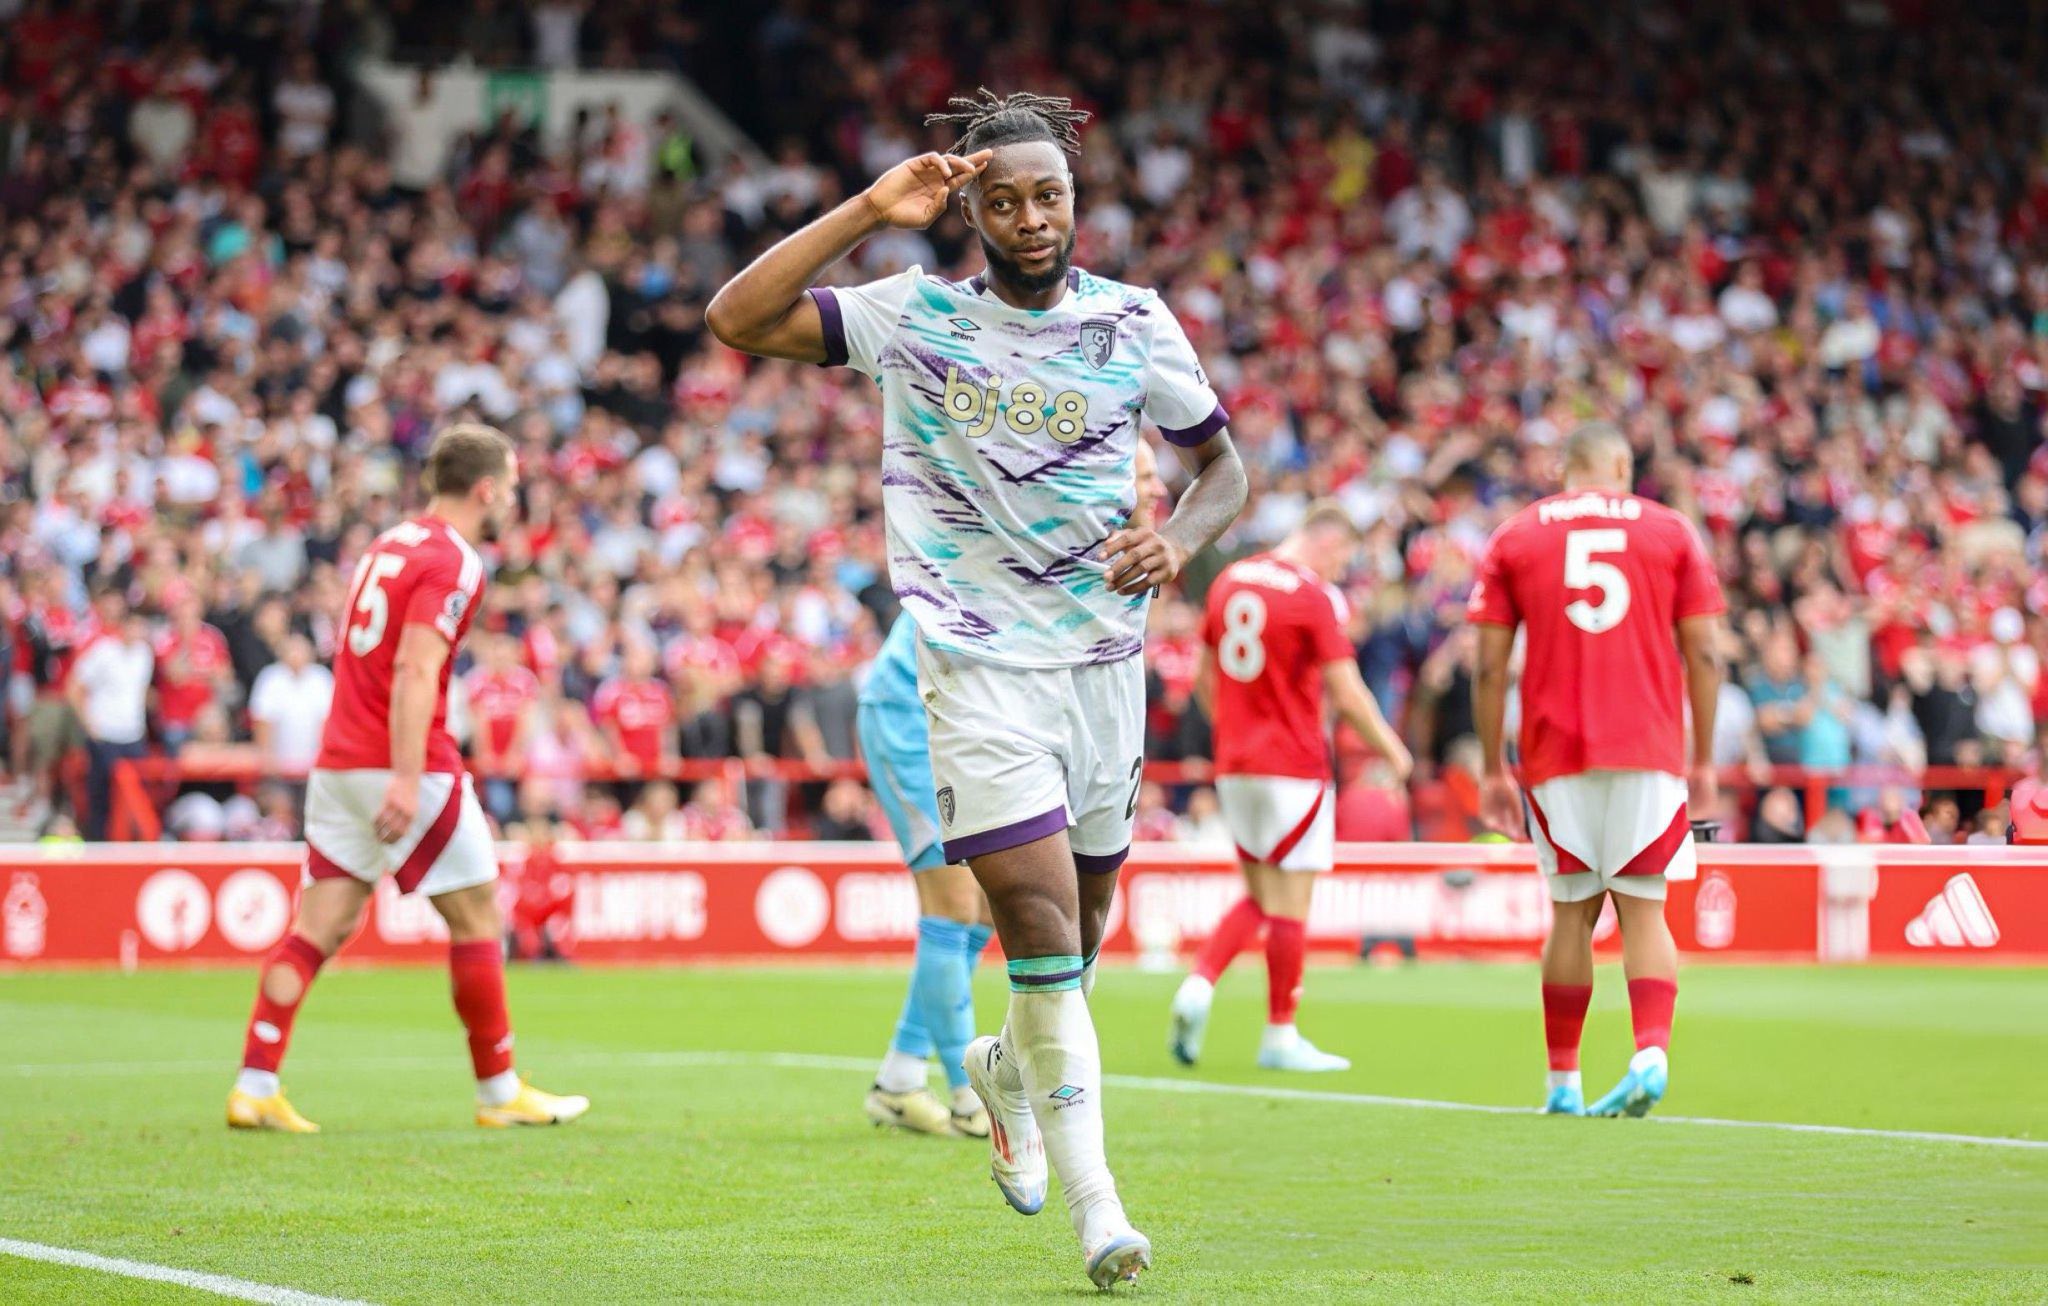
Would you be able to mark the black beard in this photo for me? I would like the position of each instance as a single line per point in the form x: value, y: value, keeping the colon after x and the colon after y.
x: 1004, y: 269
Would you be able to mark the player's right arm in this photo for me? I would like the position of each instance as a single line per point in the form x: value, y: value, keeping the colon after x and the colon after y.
x: 1492, y: 609
x: 764, y: 309
x: 1499, y: 804
x: 415, y: 687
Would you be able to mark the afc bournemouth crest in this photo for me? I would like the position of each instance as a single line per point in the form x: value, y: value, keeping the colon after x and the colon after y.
x: 946, y: 804
x: 1098, y: 342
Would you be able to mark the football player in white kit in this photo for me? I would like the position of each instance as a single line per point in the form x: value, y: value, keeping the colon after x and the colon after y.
x: 1012, y: 404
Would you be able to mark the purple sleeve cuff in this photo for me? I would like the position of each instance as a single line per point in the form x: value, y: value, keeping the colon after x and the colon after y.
x: 1190, y: 436
x: 834, y: 324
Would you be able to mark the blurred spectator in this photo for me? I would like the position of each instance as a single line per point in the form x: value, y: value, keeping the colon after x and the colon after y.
x: 1153, y: 819
x: 636, y: 716
x: 1783, y: 698
x: 847, y: 812
x: 711, y: 815
x: 1778, y: 818
x: 1834, y: 827
x: 109, y: 688
x: 193, y: 672
x: 503, y: 697
x: 542, y: 924
x: 655, y: 817
x: 1890, y: 820
x: 1202, y: 823
x: 288, y: 708
x: 1372, y: 808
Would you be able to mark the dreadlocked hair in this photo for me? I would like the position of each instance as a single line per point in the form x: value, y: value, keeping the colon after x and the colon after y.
x: 987, y: 120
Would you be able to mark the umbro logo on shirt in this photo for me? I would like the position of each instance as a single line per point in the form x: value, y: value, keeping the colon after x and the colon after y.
x: 963, y: 327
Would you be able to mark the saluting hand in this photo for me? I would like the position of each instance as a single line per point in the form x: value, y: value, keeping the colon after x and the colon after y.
x: 915, y: 192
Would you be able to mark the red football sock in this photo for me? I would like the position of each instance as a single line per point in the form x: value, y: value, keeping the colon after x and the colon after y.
x: 1564, y: 1017
x: 477, y: 970
x: 1649, y: 1008
x: 1233, y: 934
x: 1286, y: 951
x: 270, y: 1024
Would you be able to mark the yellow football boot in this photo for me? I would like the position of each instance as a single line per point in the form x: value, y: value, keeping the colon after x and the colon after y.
x: 918, y: 1110
x: 530, y: 1106
x: 249, y: 1112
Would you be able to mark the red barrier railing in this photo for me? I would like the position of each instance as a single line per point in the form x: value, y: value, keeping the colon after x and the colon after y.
x: 141, y: 787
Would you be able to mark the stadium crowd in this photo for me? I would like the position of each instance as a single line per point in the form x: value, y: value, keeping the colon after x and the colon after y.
x: 1414, y: 245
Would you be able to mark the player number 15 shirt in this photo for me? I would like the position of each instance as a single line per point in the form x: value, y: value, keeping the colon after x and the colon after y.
x: 419, y: 572
x: 1599, y: 580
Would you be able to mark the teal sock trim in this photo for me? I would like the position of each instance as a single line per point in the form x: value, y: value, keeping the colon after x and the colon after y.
x: 1045, y: 974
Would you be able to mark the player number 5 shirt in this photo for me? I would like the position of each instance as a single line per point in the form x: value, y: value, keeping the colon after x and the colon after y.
x: 1598, y: 580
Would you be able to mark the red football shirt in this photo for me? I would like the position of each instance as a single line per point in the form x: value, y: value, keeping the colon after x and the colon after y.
x: 187, y: 668
x: 1599, y: 580
x: 421, y: 573
x: 496, y: 699
x: 640, y: 710
x: 1271, y: 627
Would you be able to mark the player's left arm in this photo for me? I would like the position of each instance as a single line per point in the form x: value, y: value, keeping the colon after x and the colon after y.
x: 1180, y: 402
x: 1142, y: 558
x: 1355, y: 704
x: 415, y: 685
x: 1699, y: 605
x: 1699, y: 644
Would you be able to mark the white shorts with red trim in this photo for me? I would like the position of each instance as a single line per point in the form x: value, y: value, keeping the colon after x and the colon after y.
x: 1280, y: 820
x: 448, y: 847
x: 1621, y: 830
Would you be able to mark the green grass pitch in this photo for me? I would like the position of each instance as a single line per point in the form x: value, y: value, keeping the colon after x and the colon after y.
x: 756, y: 1177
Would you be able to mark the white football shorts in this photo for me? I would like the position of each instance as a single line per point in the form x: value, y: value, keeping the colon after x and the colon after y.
x: 1622, y: 830
x: 1018, y: 753
x: 1280, y: 820
x: 449, y: 846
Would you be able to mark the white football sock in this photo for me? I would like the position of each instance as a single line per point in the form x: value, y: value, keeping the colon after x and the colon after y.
x: 256, y: 1083
x: 1648, y: 1057
x: 1009, y: 1066
x: 1279, y: 1036
x: 901, y: 1073
x: 1194, y: 991
x: 1563, y: 1079
x: 965, y: 1103
x: 1062, y: 1065
x: 498, y: 1089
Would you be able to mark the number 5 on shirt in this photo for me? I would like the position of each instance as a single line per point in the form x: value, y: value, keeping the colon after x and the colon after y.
x: 370, y: 600
x: 1582, y: 572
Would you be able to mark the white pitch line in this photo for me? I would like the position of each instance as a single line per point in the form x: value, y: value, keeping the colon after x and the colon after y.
x: 1198, y: 1087
x: 220, y: 1285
